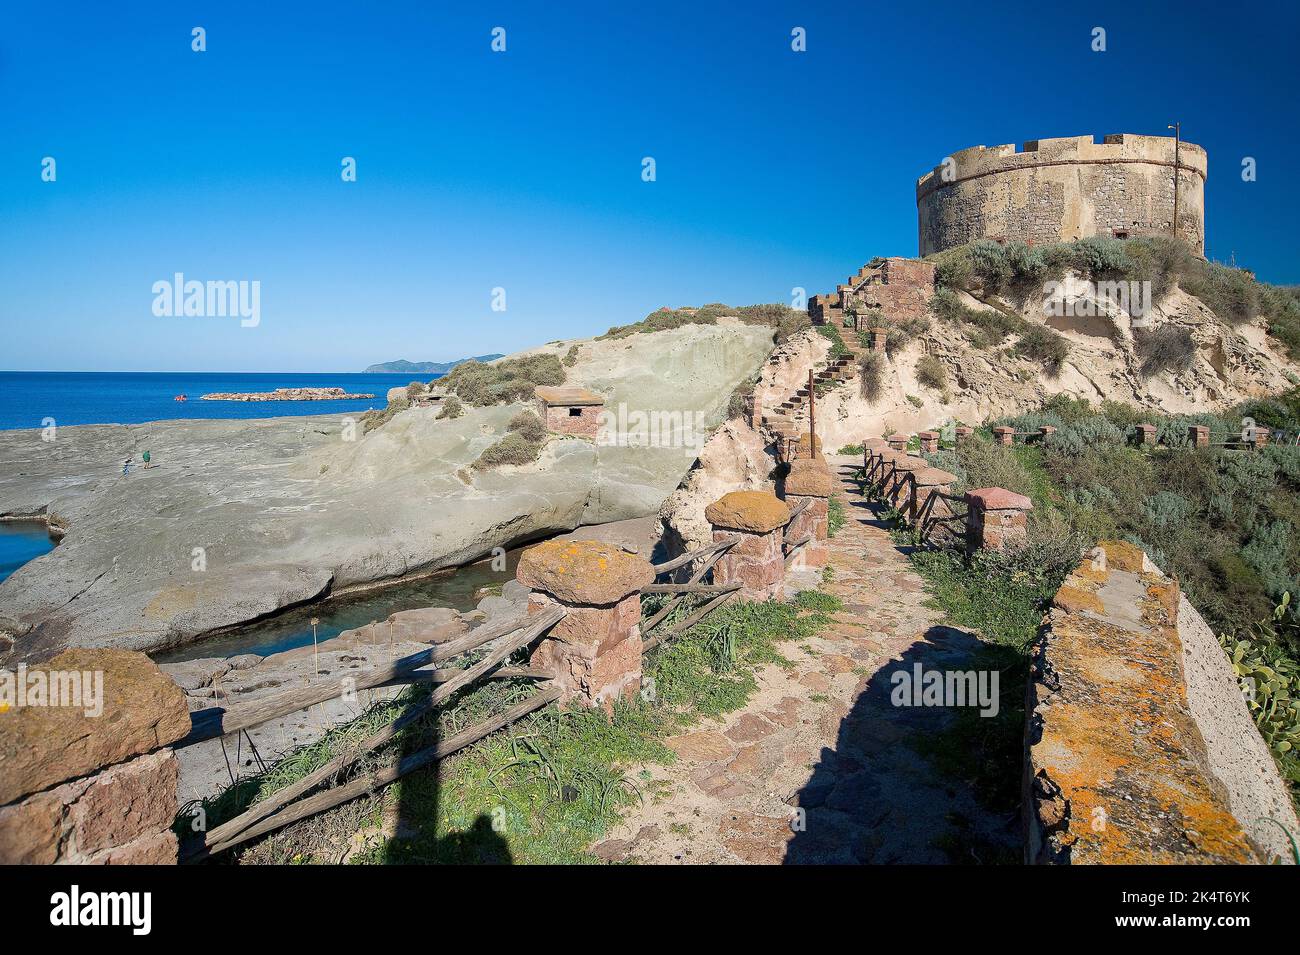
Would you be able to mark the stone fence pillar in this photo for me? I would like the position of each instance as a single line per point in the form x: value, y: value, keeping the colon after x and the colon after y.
x: 898, y: 442
x: 899, y: 492
x: 1045, y: 432
x: 876, y: 339
x: 930, y: 481
x: 91, y: 780
x: 757, y: 563
x: 1258, y: 437
x: 929, y: 441
x: 595, y: 650
x: 810, y: 481
x: 996, y: 519
x: 1198, y: 435
x: 1146, y: 434
x: 962, y: 434
x: 1004, y: 435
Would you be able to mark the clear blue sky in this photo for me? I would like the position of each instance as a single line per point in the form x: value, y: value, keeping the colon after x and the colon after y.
x: 523, y: 169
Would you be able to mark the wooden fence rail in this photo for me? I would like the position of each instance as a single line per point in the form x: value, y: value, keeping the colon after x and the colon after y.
x: 253, y: 821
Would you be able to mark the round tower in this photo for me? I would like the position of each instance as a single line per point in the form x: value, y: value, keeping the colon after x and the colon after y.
x: 1058, y: 190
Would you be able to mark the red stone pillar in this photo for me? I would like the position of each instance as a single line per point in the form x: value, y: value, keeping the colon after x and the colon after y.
x: 876, y: 339
x: 757, y: 563
x: 929, y: 441
x: 1004, y: 435
x: 1146, y: 434
x: 809, y: 481
x: 595, y: 650
x: 1198, y: 435
x: 996, y: 519
x: 1045, y: 432
x: 962, y: 435
x: 898, y: 442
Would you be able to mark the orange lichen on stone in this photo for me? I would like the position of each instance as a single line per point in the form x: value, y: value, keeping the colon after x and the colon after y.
x: 1121, y: 555
x: 808, y: 478
x: 1115, y: 770
x: 589, y: 573
x: 755, y: 511
x: 1074, y: 600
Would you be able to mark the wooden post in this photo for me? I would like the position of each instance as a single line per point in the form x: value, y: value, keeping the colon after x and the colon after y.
x: 812, y: 416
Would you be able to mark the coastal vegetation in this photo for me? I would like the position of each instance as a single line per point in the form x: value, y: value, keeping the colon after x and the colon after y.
x: 451, y: 408
x: 784, y: 320
x: 1224, y: 521
x: 503, y: 382
x: 1016, y: 270
x: 544, y: 790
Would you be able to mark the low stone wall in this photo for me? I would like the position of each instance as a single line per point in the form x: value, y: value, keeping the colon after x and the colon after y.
x: 1116, y: 768
x: 86, y: 775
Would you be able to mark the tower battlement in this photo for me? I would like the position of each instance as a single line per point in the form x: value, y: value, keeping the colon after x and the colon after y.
x: 1057, y: 190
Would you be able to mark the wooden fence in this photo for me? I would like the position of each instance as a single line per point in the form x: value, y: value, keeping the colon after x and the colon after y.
x: 293, y: 803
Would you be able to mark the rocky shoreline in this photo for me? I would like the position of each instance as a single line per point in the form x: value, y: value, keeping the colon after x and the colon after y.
x: 286, y: 394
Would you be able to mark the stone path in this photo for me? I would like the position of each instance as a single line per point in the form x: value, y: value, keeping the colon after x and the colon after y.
x: 820, y: 767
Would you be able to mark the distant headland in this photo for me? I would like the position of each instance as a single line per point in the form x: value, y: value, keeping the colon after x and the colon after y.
x: 403, y: 367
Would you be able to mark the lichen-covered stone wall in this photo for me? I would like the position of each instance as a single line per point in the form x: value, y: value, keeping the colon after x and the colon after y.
x: 1057, y: 190
x: 1116, y: 769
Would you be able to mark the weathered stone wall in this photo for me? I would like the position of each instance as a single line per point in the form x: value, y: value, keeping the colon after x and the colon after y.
x: 559, y: 420
x: 1116, y: 768
x: 92, y: 787
x: 1055, y: 190
x: 888, y: 291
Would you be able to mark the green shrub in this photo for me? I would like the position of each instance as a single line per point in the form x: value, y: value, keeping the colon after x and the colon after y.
x: 377, y: 419
x: 832, y: 334
x: 414, y: 388
x: 1167, y: 348
x: 871, y: 375
x: 451, y: 408
x: 514, y: 448
x: 1039, y: 343
x: 570, y: 357
x: 1232, y: 294
x: 931, y: 373
x: 529, y: 425
x: 504, y: 381
x: 738, y: 403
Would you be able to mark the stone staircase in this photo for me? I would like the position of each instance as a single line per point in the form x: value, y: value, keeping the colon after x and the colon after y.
x: 790, y: 417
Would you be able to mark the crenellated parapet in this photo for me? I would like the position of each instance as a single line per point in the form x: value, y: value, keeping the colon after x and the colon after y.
x: 1059, y: 190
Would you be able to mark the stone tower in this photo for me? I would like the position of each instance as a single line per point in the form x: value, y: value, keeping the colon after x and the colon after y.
x: 1058, y: 190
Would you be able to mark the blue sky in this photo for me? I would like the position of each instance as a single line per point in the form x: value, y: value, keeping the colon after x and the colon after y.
x: 522, y: 170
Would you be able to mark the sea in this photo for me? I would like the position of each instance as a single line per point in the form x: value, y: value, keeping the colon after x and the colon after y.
x: 29, y: 398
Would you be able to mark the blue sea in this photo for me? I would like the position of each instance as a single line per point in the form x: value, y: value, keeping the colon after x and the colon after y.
x: 97, y: 397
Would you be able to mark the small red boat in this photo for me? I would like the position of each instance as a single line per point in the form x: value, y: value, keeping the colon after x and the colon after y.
x: 180, y: 398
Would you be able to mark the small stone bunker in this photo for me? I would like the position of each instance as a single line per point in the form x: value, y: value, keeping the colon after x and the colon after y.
x: 569, y: 410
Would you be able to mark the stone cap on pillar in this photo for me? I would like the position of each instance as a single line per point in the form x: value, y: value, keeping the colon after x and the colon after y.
x: 933, y: 477
x: 898, y: 437
x: 587, y: 573
x: 1198, y: 429
x: 755, y: 511
x: 808, y: 478
x: 928, y: 435
x: 998, y: 499
x: 908, y: 462
x: 1144, y: 428
x: 1004, y: 429
x: 875, y: 444
x: 143, y: 710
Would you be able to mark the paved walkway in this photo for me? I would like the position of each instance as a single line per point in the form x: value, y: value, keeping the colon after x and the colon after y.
x: 821, y: 736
